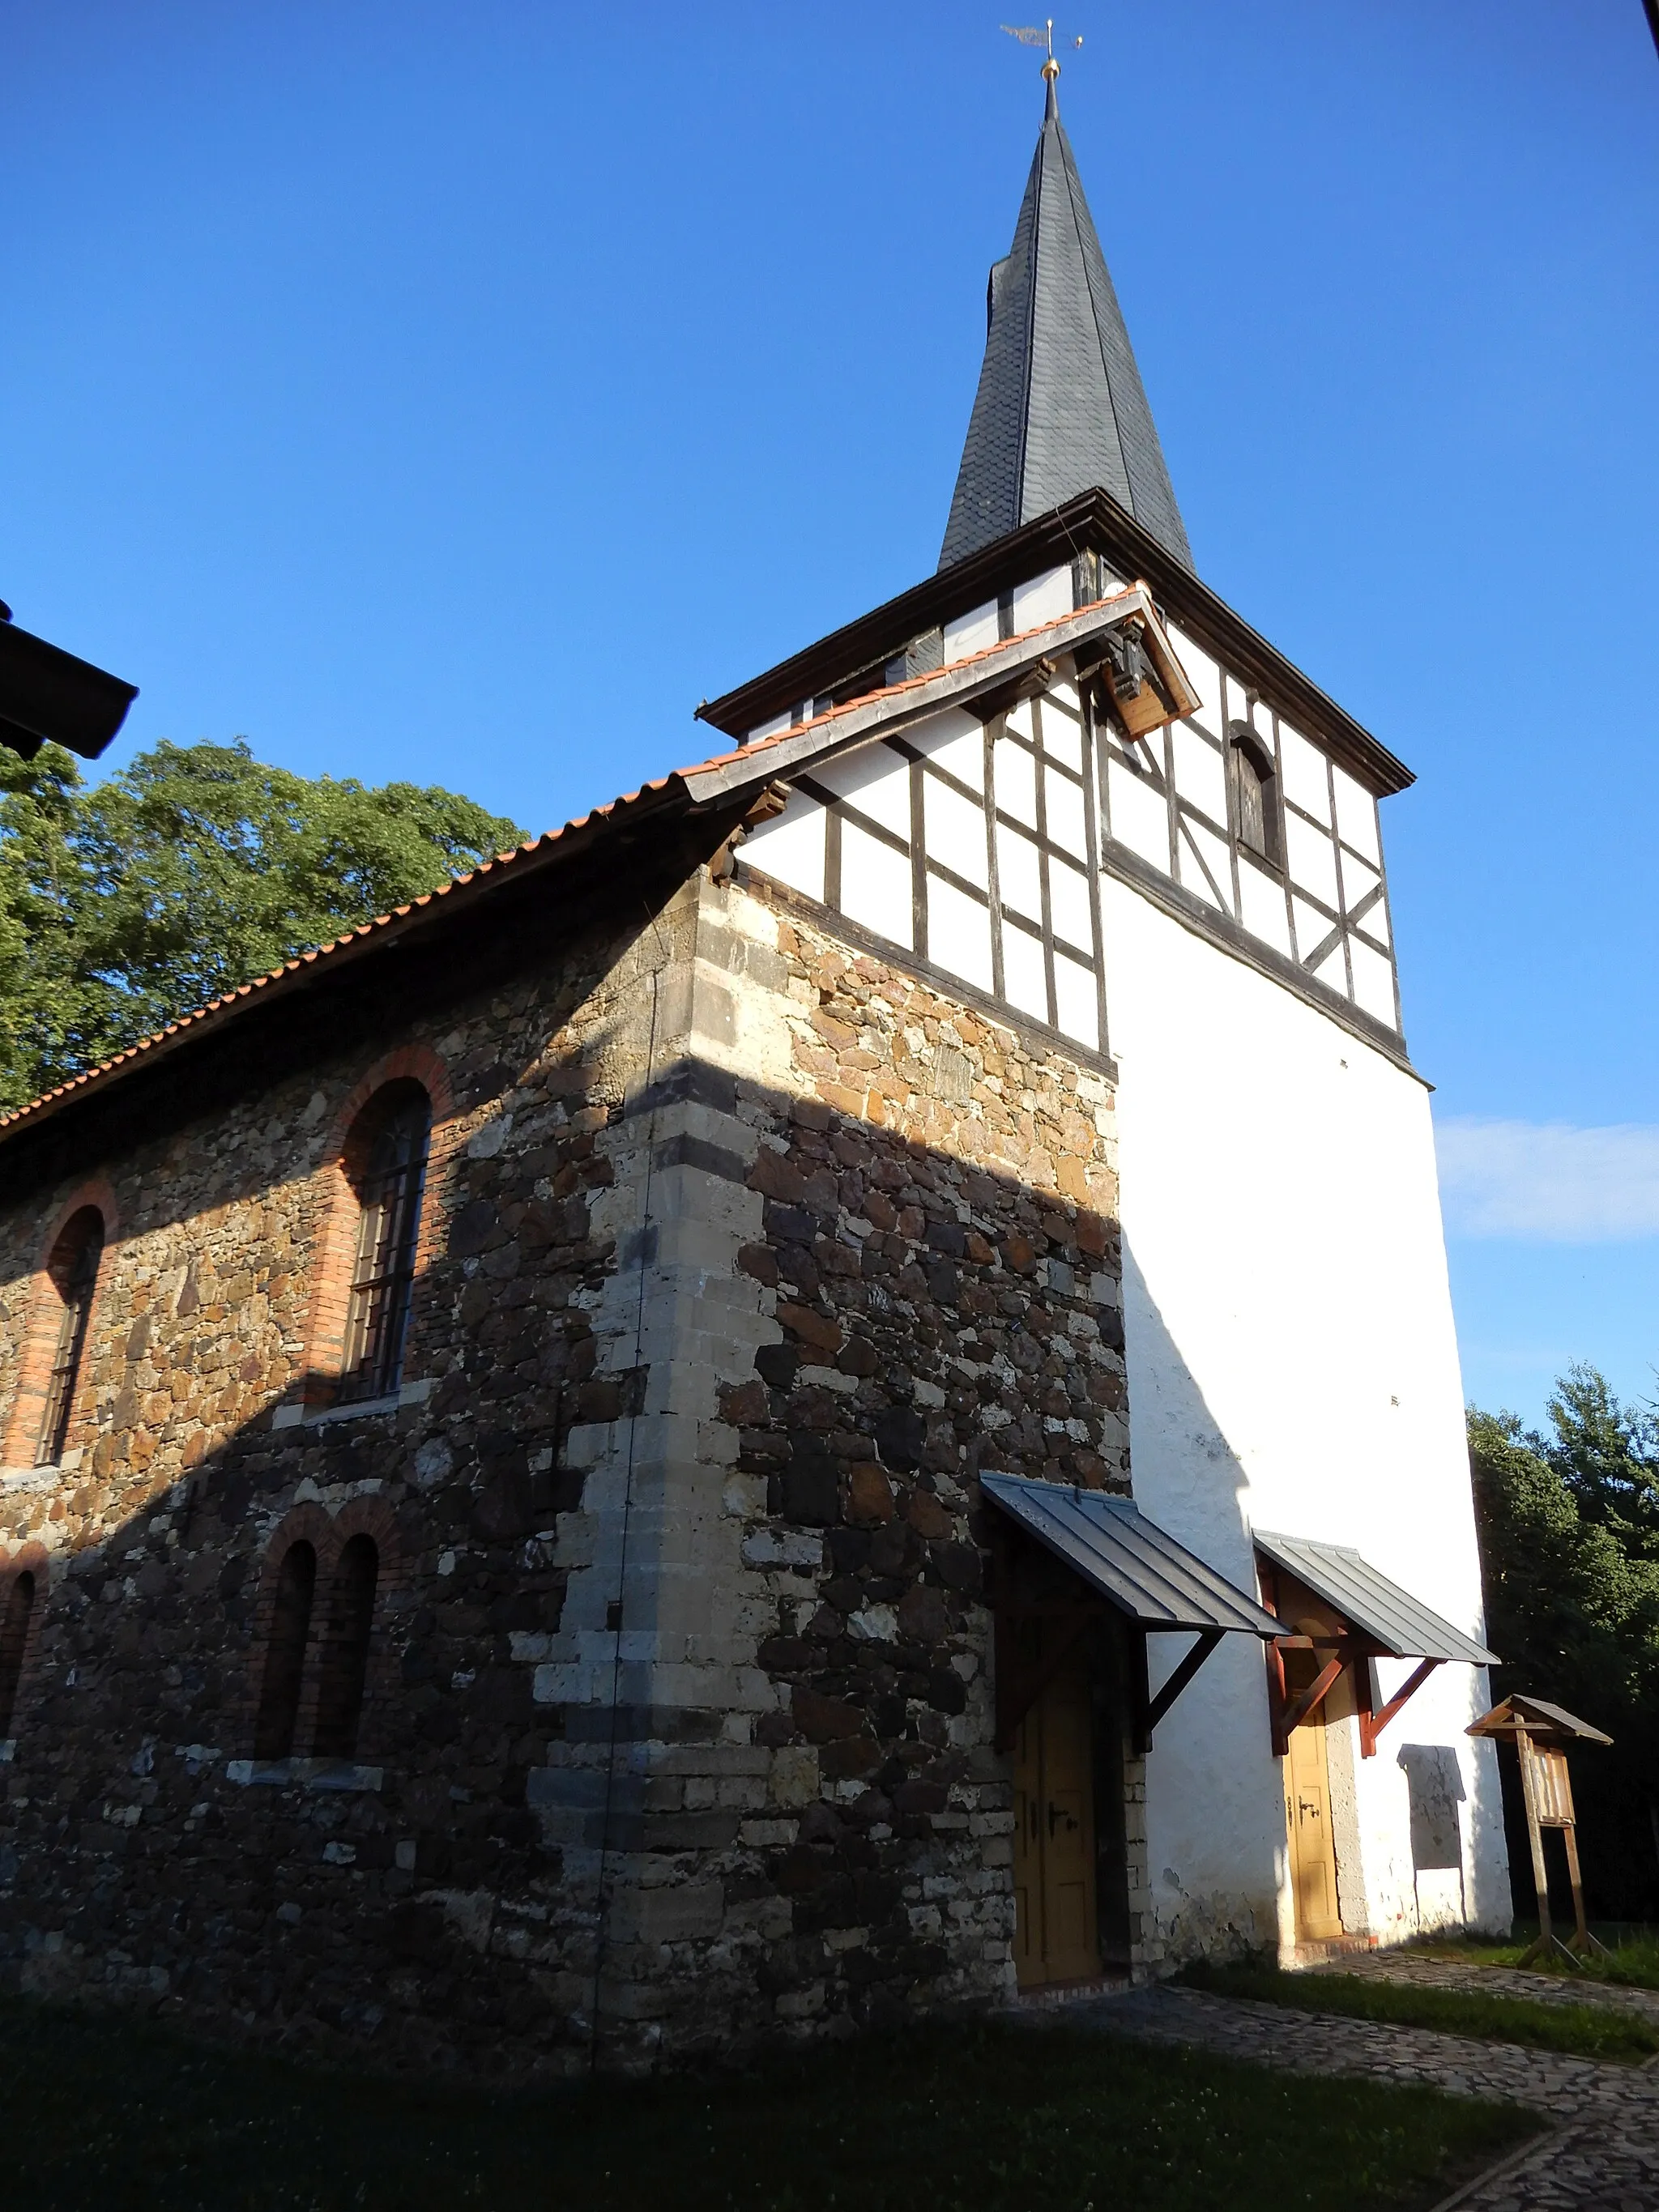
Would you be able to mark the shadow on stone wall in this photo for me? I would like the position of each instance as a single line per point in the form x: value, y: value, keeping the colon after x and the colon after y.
x: 916, y: 1315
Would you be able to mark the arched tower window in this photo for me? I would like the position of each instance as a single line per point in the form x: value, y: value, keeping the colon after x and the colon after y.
x: 385, y: 1161
x: 1254, y: 794
x: 345, y: 1655
x: 285, y: 1655
x: 15, y: 1617
x: 73, y: 1272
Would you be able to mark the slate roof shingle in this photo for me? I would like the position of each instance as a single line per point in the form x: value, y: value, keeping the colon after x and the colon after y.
x: 1060, y: 408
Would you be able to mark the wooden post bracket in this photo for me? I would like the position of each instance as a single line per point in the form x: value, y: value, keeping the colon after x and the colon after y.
x: 1371, y: 1724
x: 1179, y: 1677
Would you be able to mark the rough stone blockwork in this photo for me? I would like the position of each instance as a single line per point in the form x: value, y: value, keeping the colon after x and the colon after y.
x: 743, y: 1252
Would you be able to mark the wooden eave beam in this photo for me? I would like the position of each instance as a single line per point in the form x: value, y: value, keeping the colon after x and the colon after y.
x: 1016, y: 668
x: 1092, y: 521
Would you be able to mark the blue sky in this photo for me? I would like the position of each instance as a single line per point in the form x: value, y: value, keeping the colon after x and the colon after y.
x: 461, y: 394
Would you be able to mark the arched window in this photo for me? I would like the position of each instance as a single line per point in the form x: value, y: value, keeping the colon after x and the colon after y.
x: 345, y: 1654
x: 73, y: 1272
x: 14, y: 1636
x: 285, y: 1655
x: 385, y: 1161
x: 1254, y: 793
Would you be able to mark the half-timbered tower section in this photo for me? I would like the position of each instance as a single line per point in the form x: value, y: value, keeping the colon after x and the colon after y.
x: 1066, y: 763
x: 829, y: 1393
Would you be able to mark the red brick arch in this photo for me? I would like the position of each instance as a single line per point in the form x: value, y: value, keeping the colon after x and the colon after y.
x: 328, y: 1534
x: 29, y: 1558
x: 335, y: 1251
x: 42, y: 1311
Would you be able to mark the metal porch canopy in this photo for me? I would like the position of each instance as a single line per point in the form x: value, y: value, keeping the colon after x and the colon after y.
x: 1390, y: 1617
x: 1139, y: 1570
x: 1381, y: 1621
x: 1131, y: 1561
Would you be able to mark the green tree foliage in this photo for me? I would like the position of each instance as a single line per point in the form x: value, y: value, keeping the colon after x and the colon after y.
x: 126, y: 903
x: 1568, y: 1523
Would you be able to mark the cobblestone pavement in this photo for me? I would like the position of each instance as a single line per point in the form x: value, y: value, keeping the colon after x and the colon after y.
x: 1416, y: 1973
x: 1605, y: 2153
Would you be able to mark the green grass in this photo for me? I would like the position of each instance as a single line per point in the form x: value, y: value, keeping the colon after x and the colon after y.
x: 102, y: 2115
x: 1634, y: 1964
x: 1599, y: 2032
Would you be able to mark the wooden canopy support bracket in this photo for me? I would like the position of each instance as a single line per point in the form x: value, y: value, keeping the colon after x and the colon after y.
x: 1292, y: 1716
x: 1371, y: 1724
x: 1185, y: 1668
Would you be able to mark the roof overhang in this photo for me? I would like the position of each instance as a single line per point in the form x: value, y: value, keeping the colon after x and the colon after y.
x: 1386, y: 1616
x: 1076, y: 643
x: 1093, y: 522
x: 1139, y: 1568
x: 1129, y: 1564
x: 50, y: 696
x: 659, y: 825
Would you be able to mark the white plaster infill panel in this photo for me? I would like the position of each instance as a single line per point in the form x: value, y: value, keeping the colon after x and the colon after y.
x: 1292, y: 1364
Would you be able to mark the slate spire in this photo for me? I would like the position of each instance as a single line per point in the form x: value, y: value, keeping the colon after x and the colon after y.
x: 1060, y: 407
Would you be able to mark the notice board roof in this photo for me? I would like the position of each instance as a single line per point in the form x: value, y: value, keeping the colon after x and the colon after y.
x: 1539, y: 1719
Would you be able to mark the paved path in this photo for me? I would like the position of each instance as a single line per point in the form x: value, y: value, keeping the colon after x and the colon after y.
x: 1605, y: 2154
x: 1416, y: 1973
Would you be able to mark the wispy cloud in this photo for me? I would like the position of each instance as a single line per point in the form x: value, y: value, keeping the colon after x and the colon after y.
x: 1548, y: 1183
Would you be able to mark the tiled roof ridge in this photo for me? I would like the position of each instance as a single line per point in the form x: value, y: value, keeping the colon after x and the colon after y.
x: 546, y: 842
x: 908, y: 683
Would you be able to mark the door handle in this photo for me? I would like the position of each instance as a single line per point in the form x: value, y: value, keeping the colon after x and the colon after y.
x: 1056, y: 1815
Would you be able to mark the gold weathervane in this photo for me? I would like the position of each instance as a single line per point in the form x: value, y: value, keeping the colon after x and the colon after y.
x: 1040, y: 34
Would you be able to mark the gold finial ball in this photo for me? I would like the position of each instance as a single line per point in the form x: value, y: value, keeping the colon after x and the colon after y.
x: 1051, y: 69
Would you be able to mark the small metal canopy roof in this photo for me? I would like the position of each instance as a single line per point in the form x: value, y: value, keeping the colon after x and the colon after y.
x: 1533, y: 1716
x: 1391, y: 1616
x: 1133, y: 1563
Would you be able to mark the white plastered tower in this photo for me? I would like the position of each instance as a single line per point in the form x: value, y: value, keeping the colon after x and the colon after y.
x: 1292, y: 1361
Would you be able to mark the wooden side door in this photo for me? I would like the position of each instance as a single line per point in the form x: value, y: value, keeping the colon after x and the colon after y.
x: 1056, y: 1938
x: 1308, y: 1825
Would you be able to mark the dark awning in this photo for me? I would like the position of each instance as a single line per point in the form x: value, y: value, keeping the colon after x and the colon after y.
x: 1133, y: 1563
x: 1369, y: 1601
x: 48, y: 694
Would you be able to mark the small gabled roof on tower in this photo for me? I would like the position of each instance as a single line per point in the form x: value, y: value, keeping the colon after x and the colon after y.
x: 1060, y: 407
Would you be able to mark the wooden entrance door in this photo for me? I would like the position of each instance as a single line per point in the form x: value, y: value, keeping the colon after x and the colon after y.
x: 1055, y: 1934
x: 1307, y: 1824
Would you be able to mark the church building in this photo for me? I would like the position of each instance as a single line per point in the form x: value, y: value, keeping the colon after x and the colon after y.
x: 827, y: 1394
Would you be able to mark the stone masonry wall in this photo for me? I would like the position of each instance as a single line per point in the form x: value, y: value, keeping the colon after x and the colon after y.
x: 879, y: 1251
x: 743, y: 1252
x: 142, y: 1854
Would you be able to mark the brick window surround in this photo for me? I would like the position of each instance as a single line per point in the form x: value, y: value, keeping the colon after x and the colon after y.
x: 339, y: 1211
x: 23, y: 1579
x: 339, y: 1691
x: 27, y: 1409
